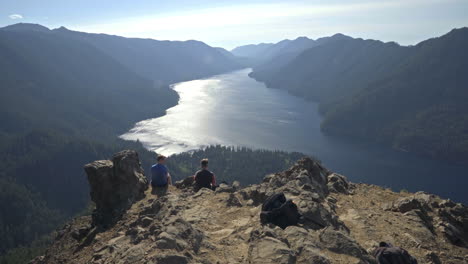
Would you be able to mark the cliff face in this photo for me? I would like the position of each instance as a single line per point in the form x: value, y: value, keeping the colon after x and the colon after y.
x: 341, y: 222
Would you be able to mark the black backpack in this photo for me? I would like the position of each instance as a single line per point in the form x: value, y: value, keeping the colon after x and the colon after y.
x: 393, y: 255
x: 279, y: 211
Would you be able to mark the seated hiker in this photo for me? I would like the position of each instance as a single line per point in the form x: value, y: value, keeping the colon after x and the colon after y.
x: 279, y: 211
x: 388, y: 254
x: 160, y: 176
x: 205, y: 178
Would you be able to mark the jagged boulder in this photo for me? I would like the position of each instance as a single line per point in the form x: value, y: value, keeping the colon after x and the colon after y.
x: 450, y: 218
x: 307, y: 174
x: 453, y: 222
x: 115, y: 184
x: 404, y: 205
x: 338, y: 183
x: 304, y: 243
x: 266, y: 246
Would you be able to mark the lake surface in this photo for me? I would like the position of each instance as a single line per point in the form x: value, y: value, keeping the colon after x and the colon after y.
x: 233, y: 109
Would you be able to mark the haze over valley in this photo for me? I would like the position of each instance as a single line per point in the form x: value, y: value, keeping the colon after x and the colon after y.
x: 382, y: 111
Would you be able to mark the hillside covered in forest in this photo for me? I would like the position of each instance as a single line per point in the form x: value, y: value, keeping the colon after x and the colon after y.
x: 411, y: 98
x: 65, y: 98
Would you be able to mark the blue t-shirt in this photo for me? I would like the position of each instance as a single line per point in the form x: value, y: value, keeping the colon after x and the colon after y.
x: 159, y: 174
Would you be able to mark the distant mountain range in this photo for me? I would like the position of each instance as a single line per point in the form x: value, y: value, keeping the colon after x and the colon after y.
x: 163, y: 61
x: 65, y: 97
x: 412, y: 98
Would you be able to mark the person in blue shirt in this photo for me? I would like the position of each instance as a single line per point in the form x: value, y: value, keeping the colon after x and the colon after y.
x: 160, y: 176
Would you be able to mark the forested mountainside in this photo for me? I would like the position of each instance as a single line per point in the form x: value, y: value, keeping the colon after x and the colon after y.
x: 268, y: 56
x: 266, y: 53
x: 411, y: 98
x: 64, y: 102
x: 251, y: 50
x: 161, y: 61
x: 282, y: 54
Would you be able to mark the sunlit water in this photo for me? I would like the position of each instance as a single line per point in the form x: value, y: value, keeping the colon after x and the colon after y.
x: 233, y: 109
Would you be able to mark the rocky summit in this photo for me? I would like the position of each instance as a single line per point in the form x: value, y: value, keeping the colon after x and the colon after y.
x: 342, y: 222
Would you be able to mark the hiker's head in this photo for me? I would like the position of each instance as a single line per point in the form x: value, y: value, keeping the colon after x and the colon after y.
x: 383, y: 244
x: 204, y: 163
x: 161, y: 159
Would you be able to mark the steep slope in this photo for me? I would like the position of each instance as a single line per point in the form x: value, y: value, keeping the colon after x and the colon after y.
x: 420, y: 106
x: 162, y: 61
x: 24, y: 215
x: 410, y: 98
x: 66, y: 96
x: 327, y: 72
x: 53, y: 81
x: 251, y: 50
x: 62, y: 103
x: 275, y: 61
x: 270, y: 55
x: 341, y: 221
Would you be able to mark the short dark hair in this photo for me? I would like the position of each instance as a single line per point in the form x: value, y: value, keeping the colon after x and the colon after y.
x: 204, y: 162
x: 160, y: 157
x: 383, y: 244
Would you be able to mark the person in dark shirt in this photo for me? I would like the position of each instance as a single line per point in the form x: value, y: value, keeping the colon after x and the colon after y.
x: 160, y: 176
x: 205, y: 178
x: 386, y: 253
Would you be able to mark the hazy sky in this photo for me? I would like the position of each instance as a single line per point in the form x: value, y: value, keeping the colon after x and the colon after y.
x: 232, y: 23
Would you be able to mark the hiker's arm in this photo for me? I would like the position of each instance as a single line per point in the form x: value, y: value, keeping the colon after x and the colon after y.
x: 213, y: 182
x: 168, y: 177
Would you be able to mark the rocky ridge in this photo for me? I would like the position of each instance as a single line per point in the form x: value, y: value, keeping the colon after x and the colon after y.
x: 341, y: 222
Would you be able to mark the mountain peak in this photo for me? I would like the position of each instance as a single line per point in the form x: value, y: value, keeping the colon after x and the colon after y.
x: 340, y: 36
x: 62, y: 28
x: 26, y: 27
x: 303, y: 39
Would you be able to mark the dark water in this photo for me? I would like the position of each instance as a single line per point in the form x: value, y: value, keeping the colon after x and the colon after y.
x: 233, y: 109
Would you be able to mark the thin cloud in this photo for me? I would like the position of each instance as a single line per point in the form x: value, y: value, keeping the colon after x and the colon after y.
x: 239, y: 15
x: 15, y: 16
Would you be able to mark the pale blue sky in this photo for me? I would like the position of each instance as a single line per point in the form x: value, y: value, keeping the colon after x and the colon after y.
x: 232, y: 23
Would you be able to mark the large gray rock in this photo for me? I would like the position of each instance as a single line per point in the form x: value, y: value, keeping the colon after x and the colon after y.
x: 115, y: 184
x: 311, y: 255
x: 339, y: 242
x: 451, y: 218
x: 306, y: 174
x: 303, y: 242
x: 404, y: 205
x: 338, y: 183
x: 453, y: 222
x: 314, y: 214
x: 270, y: 250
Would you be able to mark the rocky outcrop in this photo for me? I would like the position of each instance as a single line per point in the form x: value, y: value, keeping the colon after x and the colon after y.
x: 338, y: 183
x: 115, y: 184
x: 341, y: 222
x: 448, y: 217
